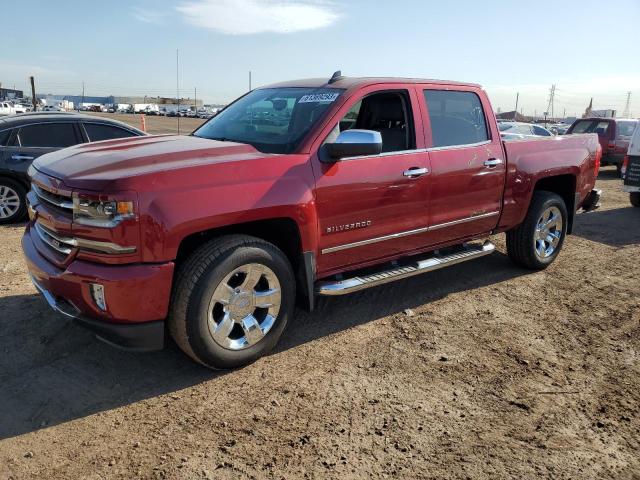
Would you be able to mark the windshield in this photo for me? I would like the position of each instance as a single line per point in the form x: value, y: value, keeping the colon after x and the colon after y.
x: 273, y: 120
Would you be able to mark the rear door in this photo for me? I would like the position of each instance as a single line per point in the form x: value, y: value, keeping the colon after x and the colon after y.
x: 30, y: 141
x: 467, y: 163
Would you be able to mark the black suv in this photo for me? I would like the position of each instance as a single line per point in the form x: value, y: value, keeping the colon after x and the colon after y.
x: 25, y: 137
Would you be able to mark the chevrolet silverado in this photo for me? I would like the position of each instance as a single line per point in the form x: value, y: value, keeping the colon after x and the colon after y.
x: 296, y: 190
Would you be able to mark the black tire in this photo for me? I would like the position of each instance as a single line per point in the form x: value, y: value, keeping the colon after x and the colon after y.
x: 9, y: 185
x: 634, y: 198
x: 521, y: 240
x: 196, y: 281
x: 619, y: 170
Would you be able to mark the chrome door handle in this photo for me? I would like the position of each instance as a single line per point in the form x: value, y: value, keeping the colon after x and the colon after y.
x: 415, y: 172
x: 492, y: 162
x: 21, y: 158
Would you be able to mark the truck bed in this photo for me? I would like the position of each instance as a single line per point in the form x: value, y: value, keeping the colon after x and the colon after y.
x: 573, y: 155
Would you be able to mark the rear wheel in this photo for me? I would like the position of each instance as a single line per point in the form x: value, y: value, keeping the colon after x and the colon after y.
x: 535, y: 244
x: 634, y: 198
x: 232, y: 300
x: 13, y: 205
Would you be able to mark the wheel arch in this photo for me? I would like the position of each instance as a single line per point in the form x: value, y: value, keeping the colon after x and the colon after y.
x: 283, y: 232
x: 16, y: 178
x: 565, y: 186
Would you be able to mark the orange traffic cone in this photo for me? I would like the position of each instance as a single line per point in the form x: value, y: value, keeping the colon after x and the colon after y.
x: 143, y: 125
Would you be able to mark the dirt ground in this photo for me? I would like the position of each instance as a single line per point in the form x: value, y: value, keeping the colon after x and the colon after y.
x: 482, y: 370
x: 155, y: 124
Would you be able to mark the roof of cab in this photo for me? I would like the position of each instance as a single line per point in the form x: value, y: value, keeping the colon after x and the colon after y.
x: 351, y: 82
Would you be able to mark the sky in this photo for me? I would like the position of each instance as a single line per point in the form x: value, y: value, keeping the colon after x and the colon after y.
x: 586, y: 48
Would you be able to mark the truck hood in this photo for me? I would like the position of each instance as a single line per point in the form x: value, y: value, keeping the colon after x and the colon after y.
x: 92, y: 166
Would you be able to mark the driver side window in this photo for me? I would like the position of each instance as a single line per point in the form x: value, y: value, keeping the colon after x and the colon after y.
x: 386, y: 112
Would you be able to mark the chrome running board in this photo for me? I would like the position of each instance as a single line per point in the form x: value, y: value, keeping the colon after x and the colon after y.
x: 429, y: 264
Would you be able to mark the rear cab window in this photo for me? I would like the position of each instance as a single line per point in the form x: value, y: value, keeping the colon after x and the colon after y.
x: 601, y: 127
x: 457, y: 118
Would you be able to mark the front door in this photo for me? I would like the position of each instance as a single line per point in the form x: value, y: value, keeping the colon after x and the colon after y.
x: 374, y: 207
x: 467, y: 165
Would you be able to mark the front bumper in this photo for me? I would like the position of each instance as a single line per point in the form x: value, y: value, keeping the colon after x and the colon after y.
x: 137, y: 297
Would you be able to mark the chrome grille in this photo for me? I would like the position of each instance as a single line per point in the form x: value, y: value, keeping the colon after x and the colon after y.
x: 59, y: 243
x: 61, y: 201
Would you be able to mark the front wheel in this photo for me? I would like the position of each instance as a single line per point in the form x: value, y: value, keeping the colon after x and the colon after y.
x: 634, y: 198
x: 232, y: 300
x: 535, y: 243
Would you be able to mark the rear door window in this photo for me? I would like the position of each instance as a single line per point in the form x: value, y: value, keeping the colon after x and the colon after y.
x: 457, y: 118
x: 97, y: 132
x: 52, y: 135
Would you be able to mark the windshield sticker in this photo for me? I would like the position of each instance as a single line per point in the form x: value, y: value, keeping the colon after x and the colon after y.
x: 319, y: 97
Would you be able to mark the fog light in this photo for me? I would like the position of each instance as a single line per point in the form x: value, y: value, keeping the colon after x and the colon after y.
x: 97, y: 293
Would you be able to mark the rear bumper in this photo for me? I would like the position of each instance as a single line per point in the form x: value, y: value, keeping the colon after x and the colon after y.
x: 136, y: 297
x: 592, y: 202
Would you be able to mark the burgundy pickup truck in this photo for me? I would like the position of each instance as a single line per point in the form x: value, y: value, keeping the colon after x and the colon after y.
x: 306, y: 188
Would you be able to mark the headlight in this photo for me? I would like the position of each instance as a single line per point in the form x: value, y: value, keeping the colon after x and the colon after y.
x: 99, y: 213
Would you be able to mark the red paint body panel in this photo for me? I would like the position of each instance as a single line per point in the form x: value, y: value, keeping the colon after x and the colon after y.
x: 182, y: 186
x: 135, y: 293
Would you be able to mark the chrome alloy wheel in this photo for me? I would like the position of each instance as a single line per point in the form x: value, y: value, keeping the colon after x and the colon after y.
x: 9, y: 201
x: 548, y: 232
x: 244, y: 306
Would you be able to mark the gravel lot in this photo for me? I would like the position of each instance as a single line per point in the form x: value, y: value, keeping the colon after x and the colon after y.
x: 481, y: 370
x: 155, y: 124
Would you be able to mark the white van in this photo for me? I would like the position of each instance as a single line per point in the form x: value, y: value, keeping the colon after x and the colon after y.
x: 631, y: 169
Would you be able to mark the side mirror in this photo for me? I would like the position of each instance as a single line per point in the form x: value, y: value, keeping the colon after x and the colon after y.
x: 355, y: 143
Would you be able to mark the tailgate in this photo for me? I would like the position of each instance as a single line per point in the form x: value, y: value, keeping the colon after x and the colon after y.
x: 632, y: 177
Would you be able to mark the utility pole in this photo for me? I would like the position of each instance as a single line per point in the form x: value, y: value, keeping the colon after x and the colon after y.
x: 33, y: 93
x: 552, y: 95
x: 249, y: 80
x: 82, y: 95
x: 195, y: 100
x: 178, y: 89
x: 515, y: 112
x: 627, y: 107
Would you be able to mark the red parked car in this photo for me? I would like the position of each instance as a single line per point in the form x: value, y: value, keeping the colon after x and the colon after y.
x: 614, y: 135
x: 305, y: 188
